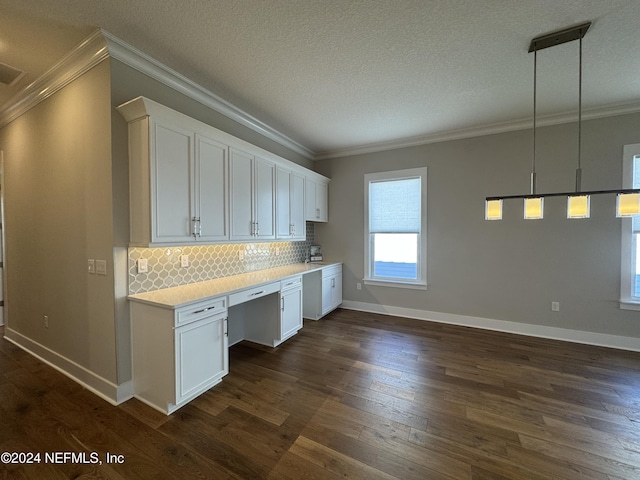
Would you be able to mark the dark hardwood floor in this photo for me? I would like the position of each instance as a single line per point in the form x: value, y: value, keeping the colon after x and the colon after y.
x: 356, y: 396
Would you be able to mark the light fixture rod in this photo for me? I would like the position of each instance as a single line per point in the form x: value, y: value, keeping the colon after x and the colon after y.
x: 567, y: 194
x: 579, y: 169
x: 535, y: 90
x: 559, y: 37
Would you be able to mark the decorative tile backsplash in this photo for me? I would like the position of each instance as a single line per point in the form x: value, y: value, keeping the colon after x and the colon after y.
x: 211, y: 261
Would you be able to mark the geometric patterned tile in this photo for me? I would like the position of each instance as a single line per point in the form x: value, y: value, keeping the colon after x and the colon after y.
x: 207, y: 262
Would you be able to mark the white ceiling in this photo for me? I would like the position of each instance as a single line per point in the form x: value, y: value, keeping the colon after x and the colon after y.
x: 338, y: 74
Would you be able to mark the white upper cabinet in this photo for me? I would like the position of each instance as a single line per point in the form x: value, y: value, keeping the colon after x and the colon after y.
x: 298, y: 223
x: 189, y: 182
x: 290, y: 214
x: 316, y: 200
x: 212, y: 192
x: 252, y: 185
x: 172, y: 172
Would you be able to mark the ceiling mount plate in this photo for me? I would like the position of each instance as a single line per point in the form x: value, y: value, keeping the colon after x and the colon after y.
x: 559, y: 37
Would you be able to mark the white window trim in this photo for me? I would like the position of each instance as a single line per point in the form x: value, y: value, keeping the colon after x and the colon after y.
x: 627, y: 255
x: 421, y: 283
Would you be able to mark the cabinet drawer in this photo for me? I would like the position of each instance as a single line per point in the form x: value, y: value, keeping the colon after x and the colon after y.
x: 331, y: 271
x: 200, y: 310
x: 291, y: 282
x: 253, y: 293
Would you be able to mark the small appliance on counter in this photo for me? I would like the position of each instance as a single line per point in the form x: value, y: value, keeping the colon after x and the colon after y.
x: 315, y: 253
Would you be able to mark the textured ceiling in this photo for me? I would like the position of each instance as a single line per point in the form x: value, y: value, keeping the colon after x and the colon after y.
x: 337, y: 74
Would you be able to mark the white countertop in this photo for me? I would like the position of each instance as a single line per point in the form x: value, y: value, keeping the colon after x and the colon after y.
x: 175, y: 297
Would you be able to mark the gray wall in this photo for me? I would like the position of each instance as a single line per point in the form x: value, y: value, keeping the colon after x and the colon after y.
x: 503, y: 270
x: 58, y: 214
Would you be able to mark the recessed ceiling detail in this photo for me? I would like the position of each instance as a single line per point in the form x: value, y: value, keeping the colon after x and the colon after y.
x: 10, y: 75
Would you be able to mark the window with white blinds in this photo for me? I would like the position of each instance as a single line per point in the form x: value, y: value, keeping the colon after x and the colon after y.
x: 630, y: 252
x: 395, y: 228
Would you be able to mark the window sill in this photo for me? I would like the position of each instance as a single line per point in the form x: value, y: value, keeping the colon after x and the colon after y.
x: 630, y: 305
x: 388, y: 283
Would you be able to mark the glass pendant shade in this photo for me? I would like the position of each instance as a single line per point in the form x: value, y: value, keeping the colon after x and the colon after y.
x: 578, y: 206
x: 533, y: 208
x: 627, y: 204
x: 493, y: 210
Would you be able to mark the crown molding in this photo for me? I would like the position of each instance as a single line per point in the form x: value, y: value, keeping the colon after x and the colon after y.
x: 503, y: 127
x: 89, y: 53
x: 147, y: 65
x: 101, y: 45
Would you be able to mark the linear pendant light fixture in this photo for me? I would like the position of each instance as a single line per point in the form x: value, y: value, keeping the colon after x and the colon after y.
x: 578, y: 202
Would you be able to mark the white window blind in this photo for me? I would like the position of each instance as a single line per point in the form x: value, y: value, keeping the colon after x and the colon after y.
x: 636, y: 184
x: 395, y: 206
x: 630, y: 251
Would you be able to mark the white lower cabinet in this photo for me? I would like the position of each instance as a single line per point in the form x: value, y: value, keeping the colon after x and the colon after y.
x: 323, y: 291
x: 267, y: 315
x: 290, y: 308
x: 201, y: 356
x: 178, y: 354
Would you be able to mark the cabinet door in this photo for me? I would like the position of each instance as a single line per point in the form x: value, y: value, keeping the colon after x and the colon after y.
x: 241, y: 193
x: 290, y: 312
x: 265, y: 212
x: 201, y: 356
x: 283, y: 203
x: 327, y: 283
x: 322, y: 202
x: 296, y: 209
x: 211, y: 190
x: 331, y: 293
x: 310, y: 200
x: 172, y: 193
x: 336, y: 291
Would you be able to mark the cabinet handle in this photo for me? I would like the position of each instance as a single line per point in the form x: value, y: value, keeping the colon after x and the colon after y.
x: 226, y: 327
x: 317, y: 213
x: 333, y: 282
x: 204, y: 310
x: 282, y: 303
x: 257, y: 293
x: 257, y: 229
x: 199, y: 227
x: 194, y: 220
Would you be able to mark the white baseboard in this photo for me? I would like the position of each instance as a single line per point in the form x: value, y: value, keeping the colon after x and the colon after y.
x: 555, y: 333
x: 114, y: 394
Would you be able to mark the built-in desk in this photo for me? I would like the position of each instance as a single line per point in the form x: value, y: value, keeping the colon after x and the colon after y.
x: 180, y: 335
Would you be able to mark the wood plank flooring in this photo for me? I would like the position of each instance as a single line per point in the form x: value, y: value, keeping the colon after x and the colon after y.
x: 353, y: 396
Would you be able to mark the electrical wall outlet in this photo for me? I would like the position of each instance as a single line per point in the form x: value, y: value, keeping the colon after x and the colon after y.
x: 241, y: 255
x: 143, y: 265
x: 184, y: 260
x: 555, y: 306
x: 46, y: 321
x: 101, y: 267
x: 277, y: 251
x: 91, y: 266
x: 358, y: 286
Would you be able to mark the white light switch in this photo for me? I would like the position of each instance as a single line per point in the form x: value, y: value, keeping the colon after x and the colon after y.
x: 91, y: 266
x: 184, y: 260
x: 143, y: 265
x: 101, y: 267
